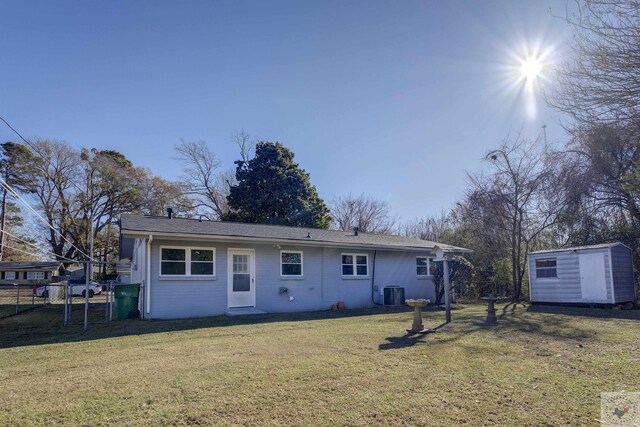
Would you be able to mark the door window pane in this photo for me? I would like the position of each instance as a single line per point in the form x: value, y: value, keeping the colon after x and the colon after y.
x: 241, y: 282
x: 241, y: 263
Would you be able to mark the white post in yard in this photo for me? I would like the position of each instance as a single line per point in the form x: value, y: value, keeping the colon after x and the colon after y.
x: 447, y: 288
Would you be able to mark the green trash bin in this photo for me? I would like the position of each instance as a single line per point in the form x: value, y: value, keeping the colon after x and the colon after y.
x: 126, y: 300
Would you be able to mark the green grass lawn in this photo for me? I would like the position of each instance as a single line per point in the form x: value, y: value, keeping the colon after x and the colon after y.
x: 538, y: 366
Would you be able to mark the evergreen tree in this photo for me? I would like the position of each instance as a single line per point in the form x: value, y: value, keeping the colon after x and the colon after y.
x: 14, y: 161
x: 273, y: 189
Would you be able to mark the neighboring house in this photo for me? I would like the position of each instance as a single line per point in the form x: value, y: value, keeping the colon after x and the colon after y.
x: 75, y: 272
x: 192, y: 268
x: 29, y: 272
x: 598, y: 274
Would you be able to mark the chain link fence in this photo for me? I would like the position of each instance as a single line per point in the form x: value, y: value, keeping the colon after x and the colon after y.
x: 17, y: 299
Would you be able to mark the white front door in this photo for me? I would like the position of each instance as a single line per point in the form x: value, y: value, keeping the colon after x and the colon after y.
x: 241, y: 280
x: 592, y: 279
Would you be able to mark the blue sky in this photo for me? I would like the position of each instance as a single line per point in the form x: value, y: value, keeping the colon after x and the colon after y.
x: 395, y: 99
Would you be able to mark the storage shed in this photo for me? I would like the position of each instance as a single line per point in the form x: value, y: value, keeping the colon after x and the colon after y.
x: 597, y: 274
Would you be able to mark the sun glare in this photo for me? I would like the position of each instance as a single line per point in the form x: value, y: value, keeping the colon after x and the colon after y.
x: 531, y: 68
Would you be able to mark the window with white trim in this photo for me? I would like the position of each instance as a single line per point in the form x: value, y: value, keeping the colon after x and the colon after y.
x: 34, y: 275
x: 355, y: 264
x: 181, y: 261
x: 546, y: 268
x: 291, y: 263
x: 423, y: 266
x: 10, y: 275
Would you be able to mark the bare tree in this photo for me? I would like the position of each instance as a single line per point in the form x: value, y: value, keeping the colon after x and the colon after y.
x: 520, y: 194
x: 158, y: 194
x: 202, y: 178
x: 366, y: 213
x: 431, y: 228
x: 245, y: 144
x: 599, y: 79
x: 55, y: 172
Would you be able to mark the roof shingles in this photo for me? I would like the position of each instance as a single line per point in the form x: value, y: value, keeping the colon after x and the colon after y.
x: 139, y: 224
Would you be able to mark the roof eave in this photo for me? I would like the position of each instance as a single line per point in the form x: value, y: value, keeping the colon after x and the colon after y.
x: 145, y: 234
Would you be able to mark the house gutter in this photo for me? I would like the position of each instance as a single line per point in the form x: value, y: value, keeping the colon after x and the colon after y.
x: 147, y: 292
x: 306, y: 242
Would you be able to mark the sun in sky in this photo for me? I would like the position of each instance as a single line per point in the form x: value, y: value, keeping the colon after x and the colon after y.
x: 529, y: 71
x: 531, y: 68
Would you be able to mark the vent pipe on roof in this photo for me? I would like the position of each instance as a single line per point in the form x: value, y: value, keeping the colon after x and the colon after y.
x: 169, y: 213
x: 355, y: 231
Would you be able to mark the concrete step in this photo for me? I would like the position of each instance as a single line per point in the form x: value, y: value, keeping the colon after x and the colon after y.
x: 244, y: 311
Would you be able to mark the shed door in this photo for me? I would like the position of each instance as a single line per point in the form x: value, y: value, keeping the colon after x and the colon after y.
x: 592, y: 279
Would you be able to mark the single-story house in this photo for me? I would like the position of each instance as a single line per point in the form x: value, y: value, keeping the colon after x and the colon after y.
x: 597, y: 274
x: 29, y: 272
x: 191, y: 268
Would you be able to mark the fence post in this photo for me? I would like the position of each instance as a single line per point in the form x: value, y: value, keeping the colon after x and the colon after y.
x: 33, y: 296
x: 17, y: 298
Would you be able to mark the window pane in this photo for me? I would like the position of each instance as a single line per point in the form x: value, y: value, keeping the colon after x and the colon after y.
x: 347, y: 270
x: 421, y: 262
x: 170, y: 254
x: 422, y: 271
x: 201, y: 255
x: 541, y: 263
x: 362, y: 270
x: 291, y: 269
x: 170, y: 267
x: 291, y: 258
x: 347, y: 259
x: 361, y: 260
x: 546, y: 272
x: 241, y: 282
x: 205, y: 268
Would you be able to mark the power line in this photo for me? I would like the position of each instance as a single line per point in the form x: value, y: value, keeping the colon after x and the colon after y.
x: 34, y: 148
x: 46, y: 171
x: 44, y: 221
x: 19, y: 250
x: 36, y: 246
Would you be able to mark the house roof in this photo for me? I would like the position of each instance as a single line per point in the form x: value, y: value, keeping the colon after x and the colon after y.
x: 29, y: 265
x: 580, y: 248
x: 139, y: 225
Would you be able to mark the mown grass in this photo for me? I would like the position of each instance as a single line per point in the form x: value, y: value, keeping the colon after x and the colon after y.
x: 538, y: 366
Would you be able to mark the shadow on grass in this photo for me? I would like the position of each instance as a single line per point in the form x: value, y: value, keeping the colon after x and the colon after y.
x: 512, y: 318
x: 45, y: 325
x: 408, y: 340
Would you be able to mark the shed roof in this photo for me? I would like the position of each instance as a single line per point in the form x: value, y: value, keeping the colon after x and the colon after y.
x: 29, y: 265
x: 136, y: 225
x: 580, y: 248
